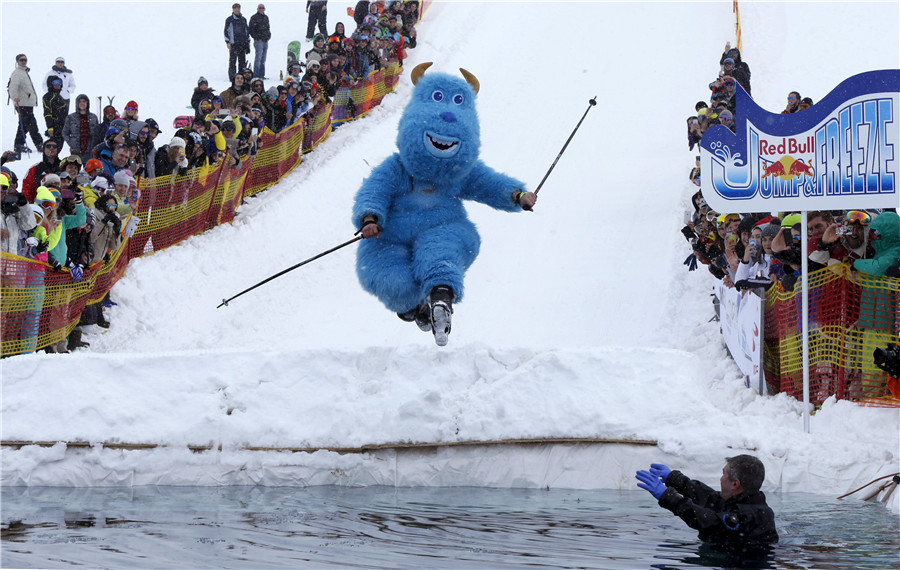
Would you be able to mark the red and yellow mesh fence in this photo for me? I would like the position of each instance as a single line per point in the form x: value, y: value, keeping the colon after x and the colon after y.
x: 39, y: 306
x: 850, y: 315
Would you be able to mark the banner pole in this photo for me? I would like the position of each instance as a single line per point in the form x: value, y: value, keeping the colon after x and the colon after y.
x: 804, y: 286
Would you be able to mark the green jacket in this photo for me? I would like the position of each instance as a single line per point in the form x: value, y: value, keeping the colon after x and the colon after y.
x: 887, y: 249
x: 76, y: 220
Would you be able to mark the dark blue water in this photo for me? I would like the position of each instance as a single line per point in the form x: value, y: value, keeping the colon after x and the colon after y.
x: 386, y: 527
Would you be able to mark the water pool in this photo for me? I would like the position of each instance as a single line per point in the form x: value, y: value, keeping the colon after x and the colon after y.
x: 387, y: 527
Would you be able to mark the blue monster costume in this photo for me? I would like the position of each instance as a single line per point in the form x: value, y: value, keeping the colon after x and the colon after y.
x: 426, y: 242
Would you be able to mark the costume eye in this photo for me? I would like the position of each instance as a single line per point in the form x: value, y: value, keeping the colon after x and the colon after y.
x: 458, y: 99
x: 438, y: 95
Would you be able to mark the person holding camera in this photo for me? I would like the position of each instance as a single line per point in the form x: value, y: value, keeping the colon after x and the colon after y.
x: 756, y: 268
x: 735, y: 519
x: 17, y: 219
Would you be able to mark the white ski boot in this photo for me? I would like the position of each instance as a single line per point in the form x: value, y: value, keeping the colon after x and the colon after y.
x: 441, y: 301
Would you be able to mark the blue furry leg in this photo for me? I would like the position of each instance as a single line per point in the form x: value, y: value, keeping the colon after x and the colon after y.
x: 385, y: 270
x: 442, y: 255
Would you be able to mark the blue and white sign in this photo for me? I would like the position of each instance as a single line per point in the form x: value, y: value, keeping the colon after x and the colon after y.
x: 842, y: 153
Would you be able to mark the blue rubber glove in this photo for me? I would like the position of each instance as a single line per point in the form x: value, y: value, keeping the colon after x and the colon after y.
x: 76, y: 271
x: 651, y: 483
x: 660, y: 471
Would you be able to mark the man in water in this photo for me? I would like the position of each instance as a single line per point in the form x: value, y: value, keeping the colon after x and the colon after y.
x: 737, y: 519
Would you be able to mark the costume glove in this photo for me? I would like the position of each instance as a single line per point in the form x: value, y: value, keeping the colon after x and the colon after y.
x: 651, y: 483
x: 660, y: 471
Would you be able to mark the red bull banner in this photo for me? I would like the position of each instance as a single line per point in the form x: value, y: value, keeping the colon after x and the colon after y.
x: 840, y: 154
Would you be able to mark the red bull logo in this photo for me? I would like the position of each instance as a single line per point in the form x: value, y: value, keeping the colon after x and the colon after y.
x: 789, y: 145
x: 788, y: 168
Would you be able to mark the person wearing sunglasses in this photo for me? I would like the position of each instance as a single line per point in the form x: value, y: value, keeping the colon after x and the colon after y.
x: 55, y: 109
x: 21, y: 91
x: 884, y: 233
x: 49, y: 164
x: 847, y: 239
x: 793, y: 103
x: 738, y: 68
x: 66, y: 76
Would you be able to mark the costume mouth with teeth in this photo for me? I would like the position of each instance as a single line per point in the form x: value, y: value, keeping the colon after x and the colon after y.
x: 441, y: 146
x: 416, y: 195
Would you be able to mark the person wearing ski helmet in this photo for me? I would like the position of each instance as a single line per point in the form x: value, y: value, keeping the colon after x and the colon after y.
x: 65, y: 75
x: 55, y: 109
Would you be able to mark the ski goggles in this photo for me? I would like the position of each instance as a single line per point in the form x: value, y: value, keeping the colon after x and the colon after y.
x: 47, y: 204
x: 859, y: 217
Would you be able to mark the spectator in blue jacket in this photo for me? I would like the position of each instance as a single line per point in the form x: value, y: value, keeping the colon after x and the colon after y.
x: 356, y: 68
x: 237, y: 40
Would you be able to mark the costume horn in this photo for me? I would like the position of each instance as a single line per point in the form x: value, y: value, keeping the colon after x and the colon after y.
x: 470, y: 79
x: 419, y: 70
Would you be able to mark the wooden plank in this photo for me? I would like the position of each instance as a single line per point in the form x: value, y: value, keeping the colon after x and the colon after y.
x: 361, y: 449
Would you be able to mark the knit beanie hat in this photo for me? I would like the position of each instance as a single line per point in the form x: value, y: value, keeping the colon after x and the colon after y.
x: 771, y: 230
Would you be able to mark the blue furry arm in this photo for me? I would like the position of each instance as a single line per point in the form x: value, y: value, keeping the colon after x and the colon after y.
x: 486, y: 185
x: 378, y: 190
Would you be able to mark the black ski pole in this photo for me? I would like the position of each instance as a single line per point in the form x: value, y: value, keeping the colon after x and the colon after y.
x: 280, y: 273
x: 592, y: 102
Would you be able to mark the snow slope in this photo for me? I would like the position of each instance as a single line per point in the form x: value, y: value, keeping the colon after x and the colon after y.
x: 580, y: 320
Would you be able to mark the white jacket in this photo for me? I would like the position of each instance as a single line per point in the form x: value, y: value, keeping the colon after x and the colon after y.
x: 747, y: 270
x: 22, y: 220
x: 68, y: 79
x: 21, y: 87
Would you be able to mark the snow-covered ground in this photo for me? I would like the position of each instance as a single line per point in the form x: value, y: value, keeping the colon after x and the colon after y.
x: 579, y: 320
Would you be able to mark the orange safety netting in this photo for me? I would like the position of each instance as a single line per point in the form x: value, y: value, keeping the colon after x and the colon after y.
x: 850, y: 315
x: 39, y: 306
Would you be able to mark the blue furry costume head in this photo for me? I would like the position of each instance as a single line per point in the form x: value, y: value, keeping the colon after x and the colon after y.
x: 416, y: 195
x: 439, y: 136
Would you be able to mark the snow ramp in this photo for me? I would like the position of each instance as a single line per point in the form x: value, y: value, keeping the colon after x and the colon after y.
x: 340, y: 417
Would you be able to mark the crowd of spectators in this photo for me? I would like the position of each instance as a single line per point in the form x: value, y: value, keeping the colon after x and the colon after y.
x: 75, y: 212
x: 759, y: 250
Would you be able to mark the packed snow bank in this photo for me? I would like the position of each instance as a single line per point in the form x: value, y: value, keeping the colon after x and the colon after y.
x: 353, y: 398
